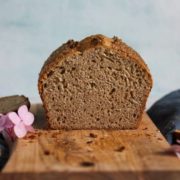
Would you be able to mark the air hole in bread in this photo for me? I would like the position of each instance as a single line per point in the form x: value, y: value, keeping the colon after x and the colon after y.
x: 134, y: 115
x: 62, y: 70
x: 90, y: 77
x: 97, y: 119
x: 64, y: 84
x: 93, y: 85
x: 50, y: 74
x: 112, y: 91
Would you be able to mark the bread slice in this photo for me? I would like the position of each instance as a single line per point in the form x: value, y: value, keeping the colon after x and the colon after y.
x: 97, y: 83
x: 12, y: 103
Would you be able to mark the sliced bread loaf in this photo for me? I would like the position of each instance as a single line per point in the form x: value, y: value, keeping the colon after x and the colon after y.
x: 97, y: 83
x: 12, y: 103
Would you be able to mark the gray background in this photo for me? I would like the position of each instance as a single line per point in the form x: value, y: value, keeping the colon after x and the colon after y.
x: 31, y: 29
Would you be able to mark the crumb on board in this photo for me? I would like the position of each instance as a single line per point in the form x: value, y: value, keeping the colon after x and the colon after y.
x: 147, y: 134
x: 93, y: 135
x: 120, y: 149
x: 39, y: 133
x: 89, y: 142
x: 87, y: 164
x: 46, y: 152
x: 32, y: 136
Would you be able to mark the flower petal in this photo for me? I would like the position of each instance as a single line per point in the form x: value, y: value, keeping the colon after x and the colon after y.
x: 30, y: 129
x: 9, y: 123
x: 1, y: 128
x: 2, y: 121
x: 20, y: 130
x: 14, y: 117
x: 26, y: 117
x: 176, y: 148
x: 22, y: 110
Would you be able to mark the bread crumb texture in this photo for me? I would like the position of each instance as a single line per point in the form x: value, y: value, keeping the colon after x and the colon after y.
x: 97, y: 83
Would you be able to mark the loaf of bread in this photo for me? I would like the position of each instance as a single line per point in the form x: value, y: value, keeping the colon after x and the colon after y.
x: 12, y: 103
x: 97, y: 83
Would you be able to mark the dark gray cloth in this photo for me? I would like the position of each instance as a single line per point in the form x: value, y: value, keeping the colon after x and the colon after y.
x: 165, y: 113
x: 4, y: 149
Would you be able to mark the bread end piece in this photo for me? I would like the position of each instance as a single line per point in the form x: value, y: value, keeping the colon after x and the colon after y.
x: 12, y: 103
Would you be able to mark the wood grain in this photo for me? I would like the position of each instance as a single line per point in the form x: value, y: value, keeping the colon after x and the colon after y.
x: 92, y: 154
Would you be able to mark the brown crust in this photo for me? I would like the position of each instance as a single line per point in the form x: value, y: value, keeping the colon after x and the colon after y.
x: 72, y: 48
x: 12, y: 103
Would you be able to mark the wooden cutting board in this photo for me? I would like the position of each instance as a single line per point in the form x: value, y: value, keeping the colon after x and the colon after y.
x: 92, y: 154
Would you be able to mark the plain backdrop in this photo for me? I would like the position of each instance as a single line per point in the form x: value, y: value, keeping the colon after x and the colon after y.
x: 31, y: 30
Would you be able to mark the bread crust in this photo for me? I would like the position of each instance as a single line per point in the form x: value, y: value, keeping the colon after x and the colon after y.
x: 71, y: 48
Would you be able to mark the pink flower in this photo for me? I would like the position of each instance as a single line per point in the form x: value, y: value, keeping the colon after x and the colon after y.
x: 175, y: 148
x: 5, y: 123
x: 22, y: 121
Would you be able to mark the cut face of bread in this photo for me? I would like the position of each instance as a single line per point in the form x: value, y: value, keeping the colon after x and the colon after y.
x: 98, y: 83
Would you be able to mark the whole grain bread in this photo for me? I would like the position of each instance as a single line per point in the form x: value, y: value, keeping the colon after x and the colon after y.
x: 12, y: 103
x: 97, y: 83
